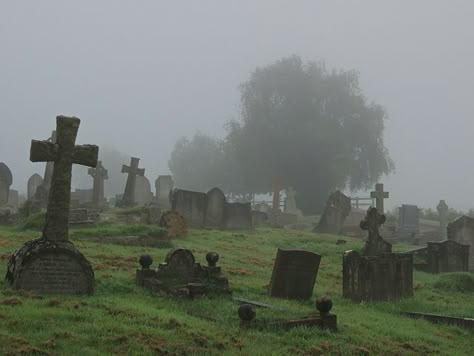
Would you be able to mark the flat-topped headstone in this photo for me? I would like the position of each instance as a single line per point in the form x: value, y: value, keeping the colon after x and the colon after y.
x: 375, y: 244
x: 6, y: 180
x: 294, y: 274
x: 33, y: 183
x: 128, y: 198
x: 443, y: 209
x: 442, y: 256
x: 379, y: 195
x: 238, y: 216
x: 408, y: 220
x: 99, y: 174
x: 215, y: 211
x: 191, y: 205
x: 51, y: 263
x: 164, y: 185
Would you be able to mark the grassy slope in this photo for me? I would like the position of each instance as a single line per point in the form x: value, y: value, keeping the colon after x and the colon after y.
x: 123, y: 319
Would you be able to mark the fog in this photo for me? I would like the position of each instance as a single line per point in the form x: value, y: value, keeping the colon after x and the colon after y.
x: 141, y: 74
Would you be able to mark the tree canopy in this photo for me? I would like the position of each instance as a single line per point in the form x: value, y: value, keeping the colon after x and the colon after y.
x: 300, y: 126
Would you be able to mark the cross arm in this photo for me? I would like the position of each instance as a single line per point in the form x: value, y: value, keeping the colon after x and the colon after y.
x: 125, y: 169
x: 43, y: 151
x: 141, y: 171
x: 85, y: 155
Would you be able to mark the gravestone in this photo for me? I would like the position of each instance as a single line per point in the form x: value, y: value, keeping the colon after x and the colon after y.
x: 290, y: 206
x: 33, y: 183
x: 13, y: 198
x: 42, y: 192
x: 6, y: 180
x: 408, y: 220
x: 191, y: 205
x: 81, y: 196
x: 294, y: 274
x: 128, y: 198
x: 443, y: 215
x: 143, y: 193
x: 51, y: 263
x: 164, y: 186
x: 442, y: 256
x: 238, y: 216
x: 216, y: 204
x: 379, y: 195
x: 259, y: 217
x: 375, y: 244
x: 99, y: 173
x: 461, y: 230
x: 338, y: 206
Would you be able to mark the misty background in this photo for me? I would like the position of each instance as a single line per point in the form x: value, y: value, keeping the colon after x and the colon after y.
x: 140, y: 75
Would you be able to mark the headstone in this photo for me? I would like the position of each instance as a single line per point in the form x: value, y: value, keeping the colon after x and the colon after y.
x: 6, y: 180
x: 461, y: 230
x: 379, y: 195
x: 259, y: 217
x: 143, y: 193
x: 337, y: 208
x: 191, y: 205
x: 164, y: 186
x: 99, y: 173
x: 408, y: 220
x: 375, y: 244
x: 133, y: 171
x: 443, y: 216
x: 442, y: 256
x: 216, y: 204
x: 33, y: 183
x: 290, y: 206
x: 13, y: 198
x: 294, y: 274
x: 238, y: 216
x: 51, y: 263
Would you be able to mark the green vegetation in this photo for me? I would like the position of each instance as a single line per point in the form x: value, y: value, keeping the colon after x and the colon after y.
x: 121, y: 319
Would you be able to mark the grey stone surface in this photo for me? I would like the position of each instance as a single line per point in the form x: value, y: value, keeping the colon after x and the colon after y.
x: 215, y: 208
x: 6, y: 180
x: 191, y: 205
x: 238, y: 216
x: 461, y: 230
x: 375, y: 244
x: 338, y: 206
x: 442, y: 256
x: 290, y: 205
x: 33, y: 183
x: 443, y: 209
x: 99, y: 174
x: 42, y: 192
x: 164, y: 186
x: 128, y: 198
x: 408, y: 220
x: 294, y: 274
x: 143, y: 193
x: 13, y: 198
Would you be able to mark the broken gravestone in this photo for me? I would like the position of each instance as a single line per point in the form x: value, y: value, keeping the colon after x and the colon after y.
x: 128, y: 198
x: 51, y: 263
x: 294, y: 274
x: 338, y: 206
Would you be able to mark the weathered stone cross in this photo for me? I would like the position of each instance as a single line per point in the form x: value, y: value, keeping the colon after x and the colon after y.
x: 132, y: 170
x: 64, y: 153
x: 99, y: 174
x: 375, y: 244
x: 379, y: 195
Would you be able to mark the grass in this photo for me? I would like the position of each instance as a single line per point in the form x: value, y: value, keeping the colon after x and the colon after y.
x: 121, y: 319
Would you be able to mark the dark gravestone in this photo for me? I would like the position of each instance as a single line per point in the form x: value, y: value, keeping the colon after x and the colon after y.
x: 443, y: 256
x: 238, y: 216
x: 128, y: 198
x: 33, y: 183
x: 215, y: 210
x: 191, y: 205
x: 408, y: 220
x: 338, y: 206
x: 461, y: 230
x: 52, y: 264
x: 99, y: 173
x: 375, y: 244
x: 6, y: 180
x: 294, y: 274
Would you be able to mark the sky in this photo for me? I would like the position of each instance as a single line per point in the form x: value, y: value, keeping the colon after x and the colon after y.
x: 141, y: 74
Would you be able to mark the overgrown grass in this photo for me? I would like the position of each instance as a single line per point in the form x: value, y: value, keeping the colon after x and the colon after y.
x: 121, y: 319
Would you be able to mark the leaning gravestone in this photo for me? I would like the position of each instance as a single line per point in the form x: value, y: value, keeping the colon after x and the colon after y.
x: 128, y: 198
x: 338, y: 206
x: 461, y: 230
x: 51, y: 263
x: 33, y: 183
x: 164, y: 185
x: 6, y: 180
x: 408, y: 220
x: 238, y: 216
x: 99, y: 173
x: 294, y: 274
x: 143, y: 194
x: 216, y: 203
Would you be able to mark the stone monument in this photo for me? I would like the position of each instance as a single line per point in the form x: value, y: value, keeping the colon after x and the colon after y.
x: 408, y: 220
x: 128, y: 198
x: 33, y: 183
x: 164, y: 185
x: 51, y: 263
x: 6, y: 180
x: 461, y: 230
x: 379, y: 195
x: 42, y: 192
x: 443, y: 209
x: 99, y: 173
x: 338, y: 206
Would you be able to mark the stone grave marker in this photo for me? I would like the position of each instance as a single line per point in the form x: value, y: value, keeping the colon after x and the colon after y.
x: 290, y: 206
x: 379, y: 195
x: 215, y: 210
x: 443, y: 209
x: 191, y: 205
x: 99, y: 174
x: 338, y: 206
x: 375, y: 244
x: 442, y: 256
x: 6, y: 180
x: 408, y: 220
x: 461, y: 230
x: 81, y: 196
x: 128, y: 198
x: 143, y: 193
x: 238, y: 216
x: 294, y: 274
x: 164, y: 186
x: 33, y: 183
x: 51, y: 263
x: 13, y: 198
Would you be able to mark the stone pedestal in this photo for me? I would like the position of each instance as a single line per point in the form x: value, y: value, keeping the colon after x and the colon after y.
x: 46, y: 266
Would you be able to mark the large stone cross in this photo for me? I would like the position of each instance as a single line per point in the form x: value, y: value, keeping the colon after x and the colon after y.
x: 132, y: 170
x: 64, y: 154
x: 375, y: 244
x: 379, y: 195
x: 99, y: 173
x: 443, y: 213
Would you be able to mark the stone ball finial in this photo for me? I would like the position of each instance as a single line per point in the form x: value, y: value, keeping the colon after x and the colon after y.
x: 324, y: 305
x: 212, y: 258
x: 247, y: 312
x: 145, y: 261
